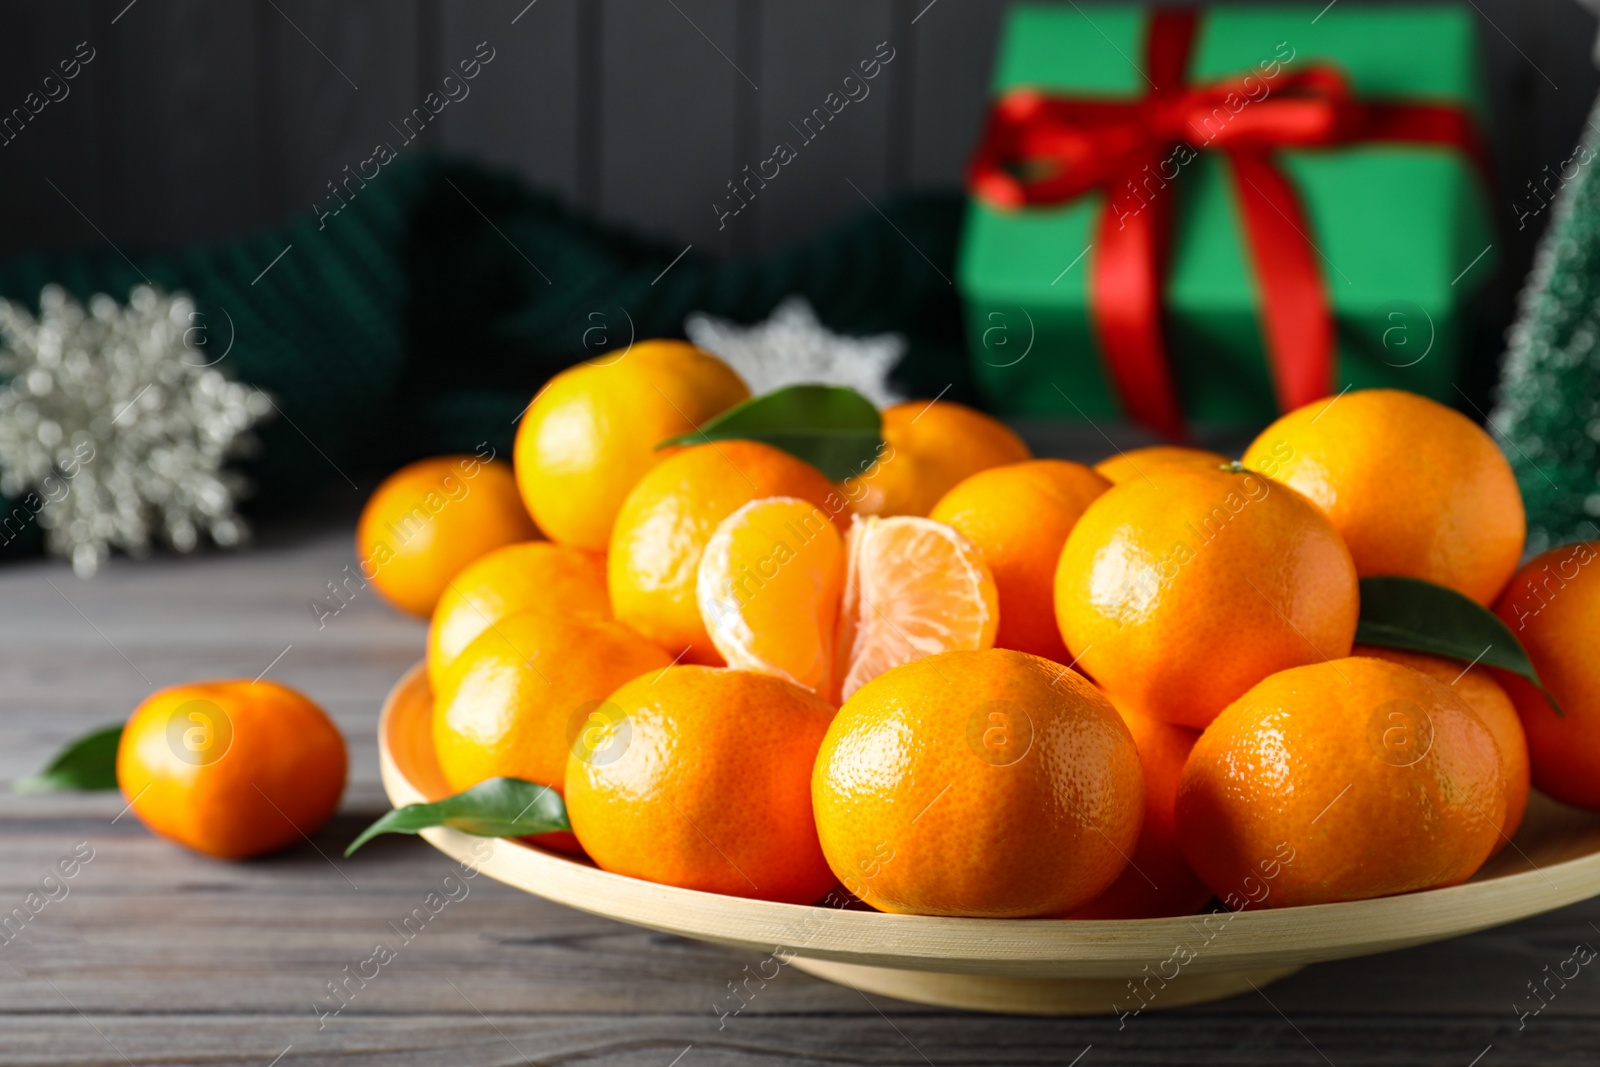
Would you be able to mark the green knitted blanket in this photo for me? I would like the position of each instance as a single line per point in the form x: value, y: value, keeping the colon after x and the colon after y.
x: 422, y: 317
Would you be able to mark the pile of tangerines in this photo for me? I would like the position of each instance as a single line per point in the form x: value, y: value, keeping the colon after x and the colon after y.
x: 969, y: 682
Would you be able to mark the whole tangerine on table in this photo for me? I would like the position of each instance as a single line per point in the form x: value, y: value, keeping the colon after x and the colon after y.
x: 1343, y: 780
x: 1476, y: 685
x: 663, y: 527
x: 428, y: 520
x: 1137, y: 462
x: 591, y: 433
x: 1158, y: 881
x: 929, y: 446
x: 703, y: 781
x: 1019, y: 516
x: 231, y: 769
x: 1179, y: 591
x: 1552, y: 605
x: 530, y: 575
x: 993, y: 784
x: 1416, y: 489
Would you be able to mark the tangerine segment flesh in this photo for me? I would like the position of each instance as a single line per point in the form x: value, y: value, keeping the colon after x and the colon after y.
x: 1343, y: 780
x: 914, y: 588
x: 989, y: 783
x: 769, y: 588
x: 1176, y: 594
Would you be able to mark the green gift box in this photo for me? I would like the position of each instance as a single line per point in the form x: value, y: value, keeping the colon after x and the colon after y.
x: 1398, y: 228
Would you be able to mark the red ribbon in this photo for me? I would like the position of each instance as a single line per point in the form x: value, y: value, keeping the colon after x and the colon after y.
x: 1042, y: 149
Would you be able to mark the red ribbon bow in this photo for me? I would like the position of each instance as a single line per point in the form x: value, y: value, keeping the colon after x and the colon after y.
x: 1048, y: 149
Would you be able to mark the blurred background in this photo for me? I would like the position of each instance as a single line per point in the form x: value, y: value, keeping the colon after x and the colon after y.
x: 200, y: 119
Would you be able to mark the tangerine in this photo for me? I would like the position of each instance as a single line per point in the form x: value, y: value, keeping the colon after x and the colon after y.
x: 1414, y: 488
x: 1019, y: 517
x: 1553, y: 607
x: 1138, y: 462
x: 988, y: 783
x: 1342, y: 780
x: 1178, y: 594
x: 428, y: 520
x: 706, y: 785
x: 929, y: 446
x: 231, y: 768
x: 666, y: 521
x: 528, y: 576
x: 591, y: 432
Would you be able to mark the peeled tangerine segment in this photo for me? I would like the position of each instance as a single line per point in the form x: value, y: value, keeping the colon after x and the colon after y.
x: 769, y: 587
x: 782, y: 593
x: 915, y: 588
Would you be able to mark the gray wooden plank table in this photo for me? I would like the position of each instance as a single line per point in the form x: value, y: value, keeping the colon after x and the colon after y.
x: 157, y: 956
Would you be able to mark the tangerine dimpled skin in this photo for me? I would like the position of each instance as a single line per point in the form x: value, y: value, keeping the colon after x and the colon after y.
x: 1552, y: 605
x: 666, y: 522
x: 231, y: 769
x: 1136, y: 462
x: 531, y: 576
x: 992, y: 783
x: 1415, y: 488
x: 428, y: 520
x: 1343, y: 780
x: 507, y: 706
x: 1158, y: 881
x: 591, y: 433
x: 1019, y: 517
x: 930, y: 446
x: 702, y: 780
x: 1477, y: 686
x: 1178, y: 591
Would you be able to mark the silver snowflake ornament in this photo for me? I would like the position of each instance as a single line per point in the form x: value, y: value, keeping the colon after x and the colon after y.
x: 114, y: 431
x: 793, y: 347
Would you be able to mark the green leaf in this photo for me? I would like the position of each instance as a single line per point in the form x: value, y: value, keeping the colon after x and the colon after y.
x: 1419, y: 616
x: 89, y: 763
x: 835, y: 429
x: 499, y: 807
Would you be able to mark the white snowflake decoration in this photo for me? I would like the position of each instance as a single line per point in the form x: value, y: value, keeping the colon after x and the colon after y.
x: 793, y: 347
x: 113, y: 430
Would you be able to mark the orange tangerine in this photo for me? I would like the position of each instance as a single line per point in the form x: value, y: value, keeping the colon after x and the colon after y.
x: 428, y: 520
x: 532, y: 575
x: 929, y: 446
x: 591, y: 432
x: 1178, y: 593
x: 706, y: 785
x: 989, y: 783
x: 1138, y: 462
x: 1476, y: 686
x: 664, y: 525
x: 231, y: 768
x: 1158, y: 881
x: 1019, y: 517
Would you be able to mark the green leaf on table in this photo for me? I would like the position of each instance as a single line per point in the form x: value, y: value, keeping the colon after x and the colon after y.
x: 499, y: 807
x: 1419, y: 616
x: 835, y: 429
x: 89, y: 763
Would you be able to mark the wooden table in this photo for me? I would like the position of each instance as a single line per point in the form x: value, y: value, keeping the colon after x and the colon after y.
x: 157, y: 956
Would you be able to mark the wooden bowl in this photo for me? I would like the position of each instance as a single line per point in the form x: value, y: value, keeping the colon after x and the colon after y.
x: 1022, y: 966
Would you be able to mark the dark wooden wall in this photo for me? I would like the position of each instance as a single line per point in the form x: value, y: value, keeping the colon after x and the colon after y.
x: 197, y: 118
